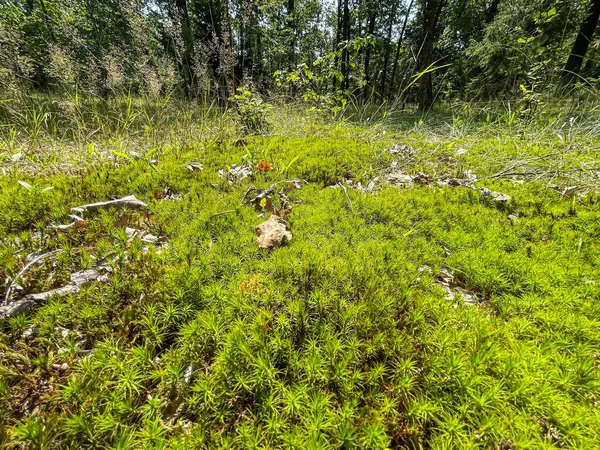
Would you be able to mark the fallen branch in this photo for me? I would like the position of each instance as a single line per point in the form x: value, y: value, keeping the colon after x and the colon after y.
x: 125, y: 202
x: 30, y: 301
x: 11, y: 286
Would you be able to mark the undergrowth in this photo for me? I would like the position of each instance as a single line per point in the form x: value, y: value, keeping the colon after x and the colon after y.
x: 343, y: 338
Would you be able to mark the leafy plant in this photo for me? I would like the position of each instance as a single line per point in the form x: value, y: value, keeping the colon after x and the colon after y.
x: 251, y: 109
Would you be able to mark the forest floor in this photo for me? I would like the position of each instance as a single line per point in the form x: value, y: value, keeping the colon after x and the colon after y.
x: 441, y: 288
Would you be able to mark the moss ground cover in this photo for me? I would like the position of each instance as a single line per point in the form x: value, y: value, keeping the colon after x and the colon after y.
x: 344, y: 337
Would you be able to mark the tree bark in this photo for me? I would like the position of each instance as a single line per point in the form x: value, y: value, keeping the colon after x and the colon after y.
x: 582, y: 42
x: 291, y: 25
x: 338, y: 38
x: 492, y: 11
x: 431, y: 15
x: 371, y: 29
x: 399, y: 45
x: 388, y: 43
x: 188, y: 42
x: 345, y: 51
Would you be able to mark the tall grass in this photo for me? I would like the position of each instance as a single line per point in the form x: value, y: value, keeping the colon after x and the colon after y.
x: 40, y: 125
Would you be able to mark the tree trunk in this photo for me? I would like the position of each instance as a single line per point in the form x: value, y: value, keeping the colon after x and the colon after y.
x: 291, y: 25
x: 582, y: 43
x: 188, y: 41
x: 399, y: 45
x: 338, y: 38
x: 431, y: 15
x: 345, y: 51
x: 492, y: 11
x: 371, y: 29
x: 388, y: 43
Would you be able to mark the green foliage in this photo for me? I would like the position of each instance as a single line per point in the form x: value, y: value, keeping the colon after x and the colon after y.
x: 251, y: 109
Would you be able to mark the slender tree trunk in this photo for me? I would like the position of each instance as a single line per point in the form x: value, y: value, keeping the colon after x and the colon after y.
x: 291, y: 25
x: 582, y: 42
x: 388, y: 44
x: 492, y: 11
x: 431, y: 15
x: 232, y: 69
x: 399, y: 45
x: 338, y: 38
x: 188, y: 42
x: 345, y: 52
x: 371, y: 29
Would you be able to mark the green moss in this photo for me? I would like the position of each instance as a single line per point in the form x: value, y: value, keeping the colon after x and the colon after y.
x: 342, y: 338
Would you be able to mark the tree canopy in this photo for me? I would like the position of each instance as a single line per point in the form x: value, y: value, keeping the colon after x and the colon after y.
x: 420, y: 50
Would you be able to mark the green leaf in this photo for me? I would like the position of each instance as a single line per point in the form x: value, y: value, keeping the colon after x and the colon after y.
x: 121, y: 154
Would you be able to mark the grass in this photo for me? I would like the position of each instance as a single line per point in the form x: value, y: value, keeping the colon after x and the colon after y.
x: 344, y: 337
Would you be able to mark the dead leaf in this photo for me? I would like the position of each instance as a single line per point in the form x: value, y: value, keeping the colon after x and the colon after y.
x: 264, y: 166
x: 194, y: 166
x: 81, y: 225
x: 122, y: 221
x: 272, y: 233
x: 498, y: 196
x: 403, y: 150
x: 566, y: 191
x: 398, y: 178
x: 446, y: 276
x: 167, y: 194
x: 235, y: 173
x: 447, y: 282
x: 148, y: 216
x: 469, y: 175
x: 422, y: 179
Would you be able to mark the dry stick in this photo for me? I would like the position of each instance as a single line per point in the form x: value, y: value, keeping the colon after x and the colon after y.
x: 349, y: 201
x: 11, y: 286
x: 125, y: 202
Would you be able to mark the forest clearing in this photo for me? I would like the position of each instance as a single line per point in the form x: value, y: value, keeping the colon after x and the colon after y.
x: 365, y: 224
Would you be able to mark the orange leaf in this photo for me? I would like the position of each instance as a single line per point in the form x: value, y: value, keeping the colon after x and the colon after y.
x: 81, y: 225
x: 264, y: 166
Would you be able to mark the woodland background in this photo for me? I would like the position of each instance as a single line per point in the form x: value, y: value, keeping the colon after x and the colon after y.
x: 412, y: 51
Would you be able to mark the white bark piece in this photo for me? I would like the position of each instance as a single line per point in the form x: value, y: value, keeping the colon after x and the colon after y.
x: 126, y: 202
